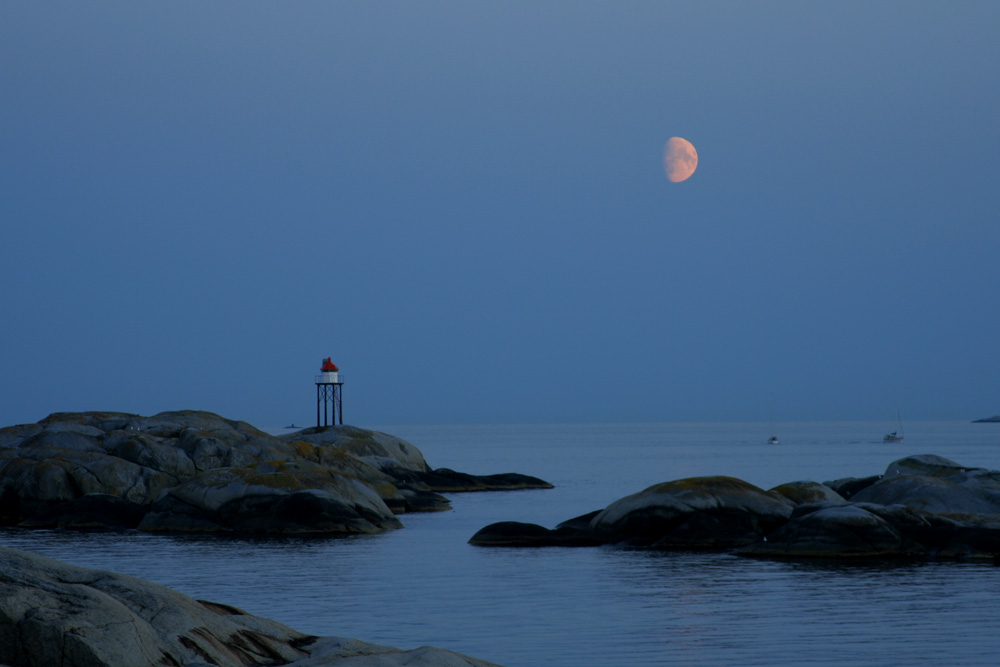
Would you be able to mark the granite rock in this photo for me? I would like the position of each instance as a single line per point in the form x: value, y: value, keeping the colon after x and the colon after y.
x: 196, y: 471
x: 922, y: 506
x: 52, y: 613
x: 936, y: 485
x: 693, y: 513
x: 804, y: 492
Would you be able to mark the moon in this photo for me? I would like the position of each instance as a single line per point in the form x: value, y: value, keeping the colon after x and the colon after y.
x: 680, y: 159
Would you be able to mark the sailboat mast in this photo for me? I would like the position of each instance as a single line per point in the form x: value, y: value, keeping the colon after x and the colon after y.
x: 773, y: 439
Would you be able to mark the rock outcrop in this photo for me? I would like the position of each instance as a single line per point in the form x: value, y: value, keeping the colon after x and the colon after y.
x: 52, y: 613
x: 403, y: 464
x: 695, y: 513
x: 922, y: 507
x: 195, y: 471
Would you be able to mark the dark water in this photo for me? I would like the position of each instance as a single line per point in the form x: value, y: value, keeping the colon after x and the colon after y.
x: 600, y: 606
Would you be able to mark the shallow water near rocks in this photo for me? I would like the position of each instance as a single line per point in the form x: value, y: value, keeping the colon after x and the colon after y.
x: 596, y: 606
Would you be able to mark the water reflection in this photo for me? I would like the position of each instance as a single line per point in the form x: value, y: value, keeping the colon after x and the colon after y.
x: 749, y: 610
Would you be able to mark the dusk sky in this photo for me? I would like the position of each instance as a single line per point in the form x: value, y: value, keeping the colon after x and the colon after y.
x: 464, y: 204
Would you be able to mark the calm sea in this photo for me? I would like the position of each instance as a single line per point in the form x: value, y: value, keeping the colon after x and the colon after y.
x: 600, y: 606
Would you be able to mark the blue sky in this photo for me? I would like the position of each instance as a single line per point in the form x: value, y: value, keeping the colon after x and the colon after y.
x: 464, y: 204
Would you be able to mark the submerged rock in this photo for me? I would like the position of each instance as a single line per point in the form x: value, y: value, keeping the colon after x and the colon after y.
x: 198, y: 472
x: 516, y: 534
x: 52, y: 613
x: 444, y: 480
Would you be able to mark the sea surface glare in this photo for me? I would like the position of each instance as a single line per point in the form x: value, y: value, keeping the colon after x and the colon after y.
x: 425, y: 585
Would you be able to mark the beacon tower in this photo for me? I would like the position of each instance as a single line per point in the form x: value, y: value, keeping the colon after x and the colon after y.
x: 329, y: 395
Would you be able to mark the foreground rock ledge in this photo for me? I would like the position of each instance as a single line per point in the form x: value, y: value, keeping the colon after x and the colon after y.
x: 52, y: 613
x: 191, y: 471
x: 924, y: 507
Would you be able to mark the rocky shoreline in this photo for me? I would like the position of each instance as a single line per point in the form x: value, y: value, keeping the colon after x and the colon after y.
x: 193, y: 471
x: 921, y: 507
x: 52, y: 613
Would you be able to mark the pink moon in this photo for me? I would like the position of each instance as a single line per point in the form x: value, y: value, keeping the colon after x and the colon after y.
x: 680, y: 159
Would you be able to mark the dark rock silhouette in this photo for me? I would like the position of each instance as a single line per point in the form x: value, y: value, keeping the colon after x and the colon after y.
x: 921, y: 507
x: 195, y: 471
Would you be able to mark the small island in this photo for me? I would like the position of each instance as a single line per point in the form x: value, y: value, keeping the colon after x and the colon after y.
x: 995, y: 419
x: 197, y: 472
x: 923, y: 507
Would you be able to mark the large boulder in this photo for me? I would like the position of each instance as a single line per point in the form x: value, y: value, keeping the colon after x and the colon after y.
x: 191, y: 470
x: 936, y: 485
x: 52, y: 613
x: 872, y: 531
x: 693, y: 513
x: 925, y: 465
x: 35, y: 479
x: 923, y: 506
x: 842, y: 529
x: 931, y: 494
x: 273, y: 497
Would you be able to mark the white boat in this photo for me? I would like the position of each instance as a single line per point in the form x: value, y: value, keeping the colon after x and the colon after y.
x: 897, y: 435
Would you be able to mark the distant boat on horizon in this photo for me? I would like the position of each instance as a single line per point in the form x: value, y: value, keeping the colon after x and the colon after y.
x: 897, y: 435
x: 293, y: 426
x: 773, y: 440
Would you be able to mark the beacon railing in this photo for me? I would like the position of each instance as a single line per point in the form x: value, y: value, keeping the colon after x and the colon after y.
x: 337, y: 378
